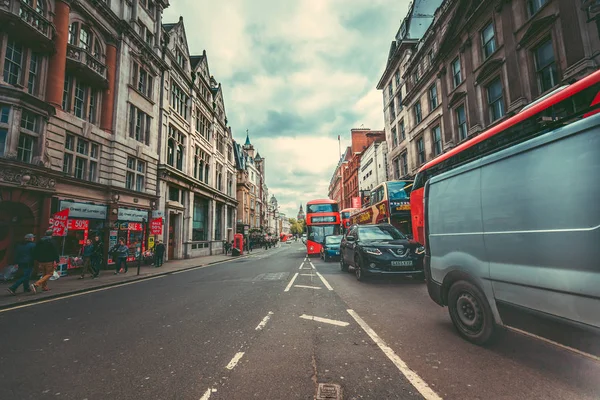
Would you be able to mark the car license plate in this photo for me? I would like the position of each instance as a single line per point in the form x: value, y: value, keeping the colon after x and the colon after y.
x: 402, y: 263
x: 337, y: 253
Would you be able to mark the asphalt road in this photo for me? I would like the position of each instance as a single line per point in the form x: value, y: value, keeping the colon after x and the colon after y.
x: 251, y: 329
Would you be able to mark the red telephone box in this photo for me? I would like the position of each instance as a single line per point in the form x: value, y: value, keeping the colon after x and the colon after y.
x: 238, y: 242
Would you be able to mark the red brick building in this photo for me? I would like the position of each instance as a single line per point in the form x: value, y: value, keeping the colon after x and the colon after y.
x: 336, y: 186
x: 361, y: 139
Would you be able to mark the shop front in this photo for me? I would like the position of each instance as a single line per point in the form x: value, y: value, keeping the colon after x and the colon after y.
x: 86, y: 220
x: 132, y: 227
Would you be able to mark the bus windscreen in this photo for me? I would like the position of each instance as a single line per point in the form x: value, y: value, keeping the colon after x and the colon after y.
x: 321, y: 208
x: 399, y: 190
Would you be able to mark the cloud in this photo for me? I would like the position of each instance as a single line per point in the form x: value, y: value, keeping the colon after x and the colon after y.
x: 296, y: 74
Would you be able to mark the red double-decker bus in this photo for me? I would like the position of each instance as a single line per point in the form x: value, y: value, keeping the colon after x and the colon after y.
x: 322, y: 219
x: 563, y: 106
x: 389, y: 202
x: 345, y: 215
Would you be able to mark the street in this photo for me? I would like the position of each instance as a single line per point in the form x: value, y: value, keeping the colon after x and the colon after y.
x: 274, y: 325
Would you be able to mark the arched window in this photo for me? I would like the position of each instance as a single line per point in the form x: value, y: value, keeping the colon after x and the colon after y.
x: 171, y: 152
x: 81, y: 35
x: 38, y: 5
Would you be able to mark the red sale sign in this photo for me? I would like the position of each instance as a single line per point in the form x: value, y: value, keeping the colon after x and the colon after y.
x: 78, y: 224
x: 156, y: 226
x: 60, y: 223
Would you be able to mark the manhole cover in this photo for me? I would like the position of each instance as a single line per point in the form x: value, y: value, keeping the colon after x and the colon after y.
x: 329, y: 391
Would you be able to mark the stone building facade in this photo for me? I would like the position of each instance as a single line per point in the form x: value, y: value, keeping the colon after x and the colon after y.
x: 373, y: 166
x: 66, y: 138
x: 486, y: 61
x: 196, y: 168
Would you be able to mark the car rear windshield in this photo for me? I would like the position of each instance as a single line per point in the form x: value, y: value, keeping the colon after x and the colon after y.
x: 319, y: 208
x: 333, y: 239
x: 379, y: 233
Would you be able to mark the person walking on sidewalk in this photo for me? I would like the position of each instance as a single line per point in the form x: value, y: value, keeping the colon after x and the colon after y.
x: 47, y: 257
x: 24, y: 257
x: 86, y: 252
x: 120, y: 251
x: 159, y: 254
x: 97, y: 254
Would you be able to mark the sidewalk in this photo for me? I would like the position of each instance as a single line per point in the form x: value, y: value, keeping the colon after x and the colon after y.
x: 70, y: 284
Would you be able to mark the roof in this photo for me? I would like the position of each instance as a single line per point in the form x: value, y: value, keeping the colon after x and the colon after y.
x: 321, y: 201
x: 168, y: 27
x: 258, y: 157
x: 195, y: 60
x: 247, y: 140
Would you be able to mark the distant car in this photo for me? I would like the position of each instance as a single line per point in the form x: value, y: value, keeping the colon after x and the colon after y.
x: 331, y: 247
x: 304, y: 238
x: 380, y: 249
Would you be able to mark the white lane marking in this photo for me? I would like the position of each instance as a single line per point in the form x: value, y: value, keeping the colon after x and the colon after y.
x: 235, y: 360
x: 311, y: 275
x: 312, y: 265
x: 411, y: 375
x: 327, y: 285
x: 308, y: 287
x: 207, y: 394
x: 287, y: 289
x: 81, y: 294
x: 264, y: 321
x: 325, y: 320
x: 562, y: 346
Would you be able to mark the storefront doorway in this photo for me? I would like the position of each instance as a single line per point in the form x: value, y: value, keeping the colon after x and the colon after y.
x: 173, y: 239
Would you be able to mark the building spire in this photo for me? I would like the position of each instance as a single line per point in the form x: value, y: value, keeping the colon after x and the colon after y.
x: 247, y: 139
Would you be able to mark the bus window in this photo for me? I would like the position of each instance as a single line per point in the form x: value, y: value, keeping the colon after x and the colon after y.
x: 321, y: 208
x: 399, y: 190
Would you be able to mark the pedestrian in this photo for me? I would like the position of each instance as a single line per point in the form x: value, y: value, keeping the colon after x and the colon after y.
x: 159, y: 253
x: 87, y: 252
x: 250, y: 245
x: 97, y: 254
x: 120, y: 252
x: 24, y: 257
x: 47, y: 256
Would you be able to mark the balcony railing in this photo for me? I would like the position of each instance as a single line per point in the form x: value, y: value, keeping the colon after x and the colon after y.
x: 82, y: 57
x: 15, y: 10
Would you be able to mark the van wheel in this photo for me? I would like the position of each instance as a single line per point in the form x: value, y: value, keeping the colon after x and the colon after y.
x: 343, y: 265
x: 470, y: 312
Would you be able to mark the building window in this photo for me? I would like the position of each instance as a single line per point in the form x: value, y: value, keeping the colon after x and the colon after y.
x: 149, y: 6
x: 80, y: 35
x: 81, y: 158
x: 179, y: 100
x: 175, y: 148
x: 174, y: 194
x: 146, y: 34
x: 142, y: 80
x: 30, y: 121
x: 180, y: 57
x: 220, y: 144
x: 488, y: 40
x: 495, y: 101
x: 229, y: 184
x: 80, y: 99
x: 218, y: 221
x: 13, y: 63
x: 25, y: 148
x: 436, y: 136
x: 421, y: 150
x: 390, y: 90
x: 136, y: 174
x: 140, y: 124
x: 219, y: 169
x: 394, y: 137
x: 456, y: 72
x: 545, y: 66
x: 34, y: 66
x: 461, y: 122
x: 534, y: 5
x: 4, y: 118
x: 433, y: 97
x: 430, y: 57
x: 418, y: 114
x: 402, y: 131
x: 404, y: 163
x: 396, y: 164
x: 397, y: 79
x: 200, y: 219
x: 392, y: 111
x: 202, y: 125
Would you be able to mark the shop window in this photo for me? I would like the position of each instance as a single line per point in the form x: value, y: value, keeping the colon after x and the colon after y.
x: 81, y: 158
x: 135, y: 175
x: 495, y: 100
x: 545, y: 65
x: 200, y: 219
x: 25, y: 148
x: 140, y: 124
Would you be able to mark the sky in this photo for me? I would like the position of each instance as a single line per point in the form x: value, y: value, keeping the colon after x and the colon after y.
x: 295, y: 74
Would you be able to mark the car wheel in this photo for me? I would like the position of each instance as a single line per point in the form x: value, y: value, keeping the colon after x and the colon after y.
x: 358, y: 270
x: 343, y: 265
x: 470, y: 312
